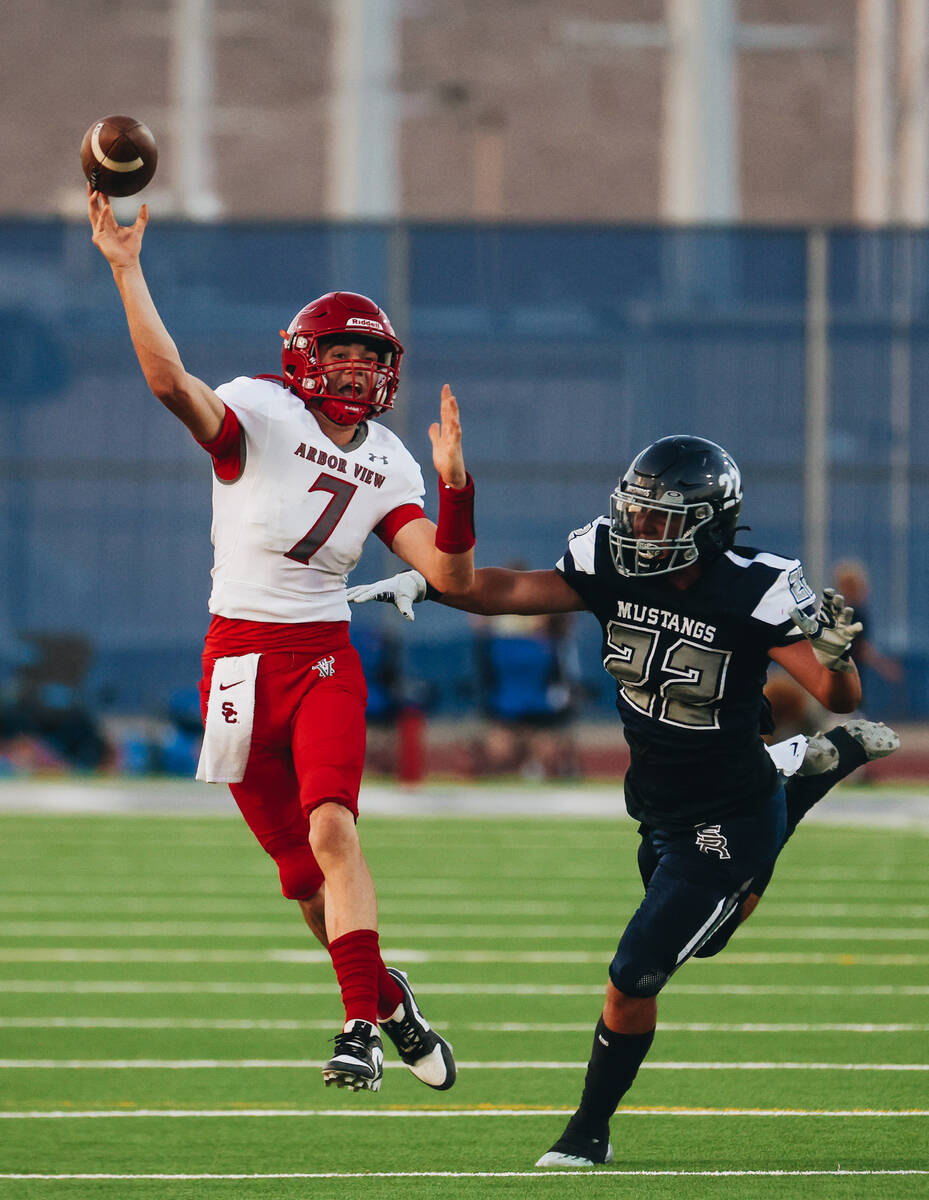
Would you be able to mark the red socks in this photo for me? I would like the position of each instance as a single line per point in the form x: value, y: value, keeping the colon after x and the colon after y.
x: 367, y: 990
x: 389, y: 996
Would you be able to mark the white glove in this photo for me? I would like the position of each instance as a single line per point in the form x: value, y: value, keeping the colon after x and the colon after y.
x: 403, y: 590
x: 831, y: 632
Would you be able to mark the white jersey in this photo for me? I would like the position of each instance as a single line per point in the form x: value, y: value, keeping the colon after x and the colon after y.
x: 292, y: 525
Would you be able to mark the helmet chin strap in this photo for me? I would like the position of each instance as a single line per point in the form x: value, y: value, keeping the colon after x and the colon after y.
x: 333, y: 409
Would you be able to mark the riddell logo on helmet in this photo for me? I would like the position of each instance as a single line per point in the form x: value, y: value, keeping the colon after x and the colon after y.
x: 363, y: 323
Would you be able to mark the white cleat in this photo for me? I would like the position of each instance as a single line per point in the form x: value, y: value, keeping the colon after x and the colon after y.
x: 559, y: 1158
x: 428, y: 1055
x: 820, y: 756
x: 874, y: 737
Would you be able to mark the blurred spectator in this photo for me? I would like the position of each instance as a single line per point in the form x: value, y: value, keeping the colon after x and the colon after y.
x: 180, y: 747
x: 528, y: 673
x: 45, y: 723
x: 851, y: 579
x: 396, y: 706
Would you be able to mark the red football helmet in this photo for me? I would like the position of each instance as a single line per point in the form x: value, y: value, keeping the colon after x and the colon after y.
x: 355, y: 318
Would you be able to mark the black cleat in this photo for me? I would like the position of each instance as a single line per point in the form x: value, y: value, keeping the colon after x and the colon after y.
x: 427, y: 1055
x: 358, y: 1061
x: 578, y: 1149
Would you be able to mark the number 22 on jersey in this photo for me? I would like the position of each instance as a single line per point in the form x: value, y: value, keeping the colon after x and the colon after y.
x: 694, y: 676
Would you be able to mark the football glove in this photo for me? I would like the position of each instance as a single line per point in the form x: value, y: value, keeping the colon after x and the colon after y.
x: 831, y: 632
x: 403, y: 590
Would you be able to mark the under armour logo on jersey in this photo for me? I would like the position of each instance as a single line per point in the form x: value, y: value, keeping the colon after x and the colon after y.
x: 709, y: 838
x: 326, y: 669
x: 381, y: 458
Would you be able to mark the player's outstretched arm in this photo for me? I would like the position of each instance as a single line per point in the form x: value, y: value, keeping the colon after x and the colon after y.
x: 495, y: 590
x: 189, y: 398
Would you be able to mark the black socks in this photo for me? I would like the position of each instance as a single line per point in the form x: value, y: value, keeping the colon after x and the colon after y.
x: 614, y: 1061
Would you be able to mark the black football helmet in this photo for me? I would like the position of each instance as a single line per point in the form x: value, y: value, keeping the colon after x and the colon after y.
x: 679, y: 501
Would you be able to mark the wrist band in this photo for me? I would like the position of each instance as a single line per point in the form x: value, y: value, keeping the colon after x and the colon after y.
x: 432, y: 593
x: 455, y: 527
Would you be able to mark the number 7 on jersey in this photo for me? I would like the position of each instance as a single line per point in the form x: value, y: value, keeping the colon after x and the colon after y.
x: 342, y: 492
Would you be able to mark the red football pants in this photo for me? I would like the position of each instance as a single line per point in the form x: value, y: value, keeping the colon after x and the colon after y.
x: 308, y: 747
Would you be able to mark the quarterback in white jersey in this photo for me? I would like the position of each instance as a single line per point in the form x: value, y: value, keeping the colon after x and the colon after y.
x: 289, y: 530
x: 302, y: 475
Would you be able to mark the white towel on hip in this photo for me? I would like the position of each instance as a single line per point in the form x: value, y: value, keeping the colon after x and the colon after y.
x: 230, y: 714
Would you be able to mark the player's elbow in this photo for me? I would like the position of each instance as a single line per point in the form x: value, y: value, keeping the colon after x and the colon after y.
x: 453, y: 574
x: 842, y: 694
x: 170, y: 385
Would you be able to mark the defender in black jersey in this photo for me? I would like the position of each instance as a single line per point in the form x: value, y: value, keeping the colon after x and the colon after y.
x: 690, y: 625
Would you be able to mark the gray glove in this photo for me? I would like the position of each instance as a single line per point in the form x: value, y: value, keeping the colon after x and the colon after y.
x: 403, y: 590
x: 831, y: 632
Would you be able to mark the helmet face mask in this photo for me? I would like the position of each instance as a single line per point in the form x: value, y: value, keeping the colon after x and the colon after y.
x: 342, y: 319
x: 678, y: 503
x: 667, y: 541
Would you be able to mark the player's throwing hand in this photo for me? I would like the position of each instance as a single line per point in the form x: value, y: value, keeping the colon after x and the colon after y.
x: 119, y: 244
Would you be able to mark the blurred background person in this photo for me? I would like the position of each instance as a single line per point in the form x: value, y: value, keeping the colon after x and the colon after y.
x: 47, y: 722
x: 528, y: 687
x: 851, y: 579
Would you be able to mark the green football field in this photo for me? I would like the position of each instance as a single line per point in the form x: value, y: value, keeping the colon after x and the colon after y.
x: 164, y: 1015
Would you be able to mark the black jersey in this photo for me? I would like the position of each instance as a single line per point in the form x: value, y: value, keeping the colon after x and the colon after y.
x: 690, y: 667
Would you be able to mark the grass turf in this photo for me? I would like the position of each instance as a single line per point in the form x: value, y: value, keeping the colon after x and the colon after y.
x: 163, y: 939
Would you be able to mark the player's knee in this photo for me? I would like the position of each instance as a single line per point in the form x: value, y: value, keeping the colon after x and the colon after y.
x: 332, y: 831
x: 637, y: 977
x: 301, y: 877
x: 629, y: 1014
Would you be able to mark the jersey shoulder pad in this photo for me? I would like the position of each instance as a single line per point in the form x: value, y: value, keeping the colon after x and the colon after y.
x: 580, y: 556
x: 261, y: 397
x: 779, y: 586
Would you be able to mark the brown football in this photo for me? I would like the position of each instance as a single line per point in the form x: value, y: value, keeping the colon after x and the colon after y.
x: 119, y: 156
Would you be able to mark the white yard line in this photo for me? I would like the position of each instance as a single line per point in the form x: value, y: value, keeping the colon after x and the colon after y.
x: 340, y: 1113
x: 472, y: 1027
x: 177, y: 797
x: 574, y: 932
x: 600, y: 1173
x: 270, y: 907
x: 300, y: 1064
x: 247, y: 987
x: 408, y: 955
x: 185, y: 892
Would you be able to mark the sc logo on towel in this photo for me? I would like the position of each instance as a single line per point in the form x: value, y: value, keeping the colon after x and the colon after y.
x: 230, y: 716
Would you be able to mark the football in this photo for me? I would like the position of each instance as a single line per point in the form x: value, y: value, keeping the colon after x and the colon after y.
x: 119, y: 156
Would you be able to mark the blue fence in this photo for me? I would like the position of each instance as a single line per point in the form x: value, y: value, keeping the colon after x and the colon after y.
x: 569, y: 348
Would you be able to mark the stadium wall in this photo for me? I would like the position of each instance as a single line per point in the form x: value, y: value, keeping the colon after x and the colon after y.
x: 569, y: 348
